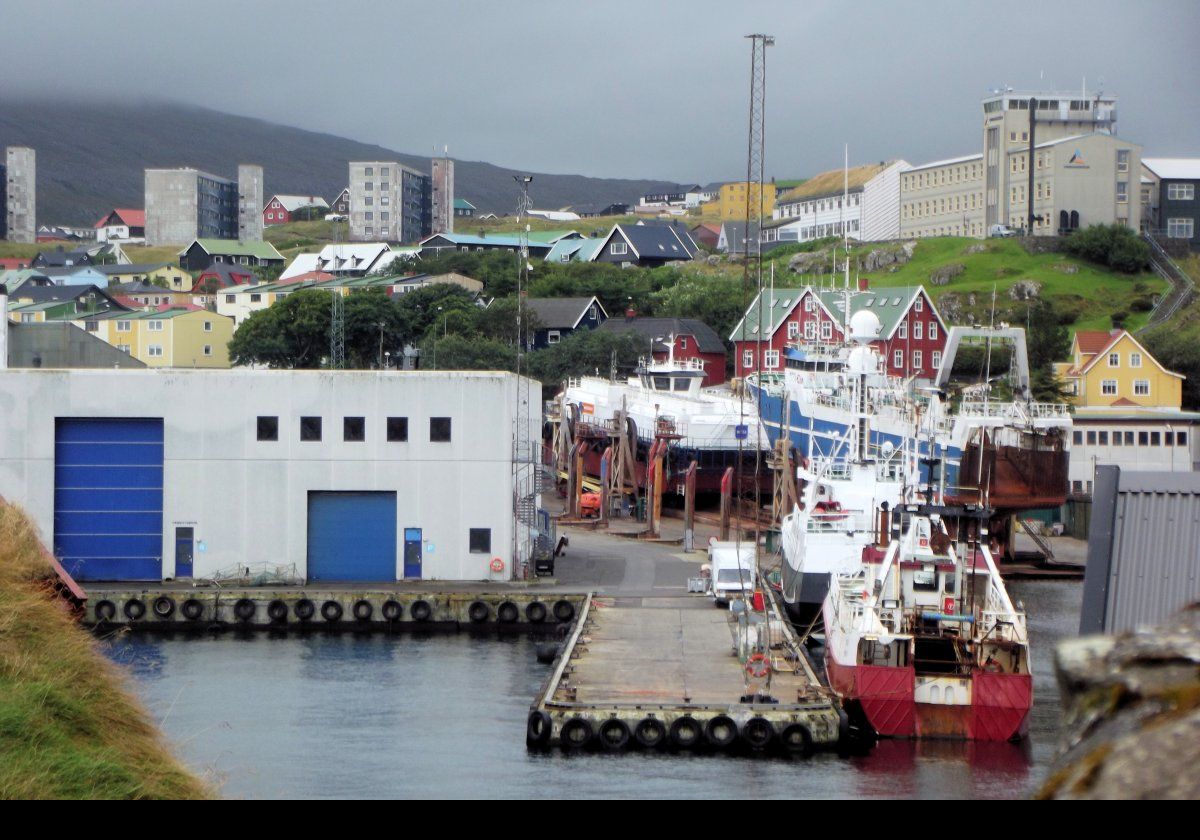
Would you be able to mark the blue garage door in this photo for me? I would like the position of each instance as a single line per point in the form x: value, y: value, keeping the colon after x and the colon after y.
x: 351, y: 536
x: 108, y: 498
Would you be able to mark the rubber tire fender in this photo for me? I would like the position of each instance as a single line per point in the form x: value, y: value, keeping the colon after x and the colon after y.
x: 277, y: 611
x: 164, y: 606
x: 391, y: 610
x: 192, y: 609
x: 134, y: 609
x: 244, y: 609
x: 720, y: 731
x: 105, y: 610
x: 650, y: 733
x: 758, y: 732
x: 535, y: 612
x: 613, y: 734
x: 332, y: 612
x: 304, y: 609
x: 538, y: 728
x: 796, y: 739
x: 685, y: 732
x: 508, y: 613
x: 564, y: 611
x: 479, y: 612
x: 363, y: 610
x: 585, y: 733
x: 420, y: 611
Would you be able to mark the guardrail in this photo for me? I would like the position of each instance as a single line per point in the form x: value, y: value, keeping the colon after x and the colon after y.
x: 1182, y: 287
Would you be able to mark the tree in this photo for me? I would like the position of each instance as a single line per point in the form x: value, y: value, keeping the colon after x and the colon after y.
x: 456, y: 352
x: 294, y: 333
x: 717, y: 301
x: 373, y: 326
x: 583, y: 353
x: 1047, y: 342
x: 1116, y: 246
x: 499, y: 321
x: 1179, y: 352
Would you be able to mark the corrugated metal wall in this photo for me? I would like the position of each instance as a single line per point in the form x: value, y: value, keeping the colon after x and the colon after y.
x: 1144, y: 549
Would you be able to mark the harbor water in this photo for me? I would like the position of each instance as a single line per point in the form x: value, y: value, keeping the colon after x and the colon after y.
x: 443, y: 715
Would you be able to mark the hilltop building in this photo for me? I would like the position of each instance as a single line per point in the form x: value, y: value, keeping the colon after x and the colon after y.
x: 19, y: 177
x: 443, y: 206
x: 862, y: 202
x: 124, y: 225
x: 1170, y: 206
x: 1083, y: 174
x: 281, y: 208
x: 389, y: 202
x: 732, y: 200
x: 186, y: 204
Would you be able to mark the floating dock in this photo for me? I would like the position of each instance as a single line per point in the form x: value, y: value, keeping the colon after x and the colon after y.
x: 665, y: 674
x: 181, y: 607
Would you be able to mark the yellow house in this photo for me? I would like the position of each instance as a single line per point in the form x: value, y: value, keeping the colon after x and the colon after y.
x: 731, y: 203
x: 171, y: 337
x: 1112, y: 369
x: 166, y: 275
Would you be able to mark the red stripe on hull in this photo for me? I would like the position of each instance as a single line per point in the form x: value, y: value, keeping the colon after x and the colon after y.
x: 999, y: 710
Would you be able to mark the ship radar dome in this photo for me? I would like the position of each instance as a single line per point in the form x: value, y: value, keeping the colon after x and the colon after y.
x: 864, y: 326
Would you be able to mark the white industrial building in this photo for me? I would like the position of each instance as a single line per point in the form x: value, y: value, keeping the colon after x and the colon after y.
x: 367, y: 476
x: 862, y: 203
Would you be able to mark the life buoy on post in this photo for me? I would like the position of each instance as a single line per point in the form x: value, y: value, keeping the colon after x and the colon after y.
x: 497, y: 565
x: 948, y: 605
x: 758, y: 666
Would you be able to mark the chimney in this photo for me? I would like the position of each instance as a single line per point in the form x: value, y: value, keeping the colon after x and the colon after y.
x: 863, y: 284
x: 3, y: 327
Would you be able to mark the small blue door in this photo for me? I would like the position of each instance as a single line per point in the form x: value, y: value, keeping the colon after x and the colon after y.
x: 412, y: 553
x: 184, y: 549
x: 351, y: 536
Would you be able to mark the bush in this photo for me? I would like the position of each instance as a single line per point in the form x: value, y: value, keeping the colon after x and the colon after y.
x: 1115, y: 246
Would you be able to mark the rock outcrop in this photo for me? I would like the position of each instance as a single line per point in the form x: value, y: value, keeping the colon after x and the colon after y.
x: 1025, y: 290
x: 942, y: 276
x: 1131, y: 714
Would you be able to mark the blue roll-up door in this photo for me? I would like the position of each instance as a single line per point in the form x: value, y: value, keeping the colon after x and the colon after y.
x: 351, y: 536
x: 108, y: 498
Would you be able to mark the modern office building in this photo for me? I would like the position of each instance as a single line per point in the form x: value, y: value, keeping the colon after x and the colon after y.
x: 389, y: 202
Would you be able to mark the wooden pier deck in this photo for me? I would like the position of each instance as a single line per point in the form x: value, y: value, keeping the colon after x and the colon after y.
x: 664, y: 672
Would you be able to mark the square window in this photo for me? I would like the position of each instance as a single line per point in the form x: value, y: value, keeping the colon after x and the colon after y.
x: 207, y: 349
x: 1103, y: 438
x: 1129, y: 438
x: 397, y: 429
x: 1091, y: 438
x: 268, y: 428
x: 208, y: 326
x: 439, y: 429
x: 1077, y: 438
x: 1143, y: 438
x: 481, y: 541
x: 354, y: 429
x: 1154, y: 439
x: 310, y: 428
x: 1181, y: 438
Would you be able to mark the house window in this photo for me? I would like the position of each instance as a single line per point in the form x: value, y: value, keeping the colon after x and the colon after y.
x: 1181, y: 228
x: 208, y: 326
x: 1091, y: 438
x: 1129, y: 438
x: 1181, y: 192
x: 793, y: 330
x: 229, y: 298
x: 810, y: 330
x: 1116, y: 438
x: 810, y: 305
x: 1141, y: 387
x: 354, y: 429
x: 919, y: 304
x: 439, y: 429
x: 918, y: 358
x: 1122, y: 192
x: 748, y: 359
x: 122, y: 326
x: 552, y: 336
x: 933, y: 330
x: 480, y: 540
x: 618, y: 248
x: 917, y: 330
x: 682, y: 343
x: 124, y: 348
x: 256, y: 298
x: 207, y: 349
x: 1181, y: 438
x: 771, y: 359
x: 902, y: 334
x: 155, y: 326
x: 1135, y: 360
x: 1102, y: 438
x: 935, y: 359
x: 1114, y: 359
x: 268, y: 428
x: 826, y: 330
x: 898, y: 359
x: 397, y: 429
x: 154, y: 350
x: 1122, y: 160
x: 1108, y: 387
x: 1154, y: 439
x: 310, y: 428
x: 1143, y: 438
x: 1077, y: 438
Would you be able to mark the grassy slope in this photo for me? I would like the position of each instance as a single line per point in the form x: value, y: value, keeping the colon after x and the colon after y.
x: 68, y: 726
x: 1091, y: 295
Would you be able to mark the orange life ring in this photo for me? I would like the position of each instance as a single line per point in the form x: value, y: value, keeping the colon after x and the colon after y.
x: 758, y: 666
x: 497, y: 564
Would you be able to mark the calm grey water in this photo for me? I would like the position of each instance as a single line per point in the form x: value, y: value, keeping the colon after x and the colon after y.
x: 444, y: 716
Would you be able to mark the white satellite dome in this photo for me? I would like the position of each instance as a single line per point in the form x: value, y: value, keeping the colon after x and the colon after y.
x: 864, y: 326
x: 862, y: 360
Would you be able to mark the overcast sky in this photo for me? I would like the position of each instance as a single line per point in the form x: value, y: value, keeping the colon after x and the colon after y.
x: 622, y: 88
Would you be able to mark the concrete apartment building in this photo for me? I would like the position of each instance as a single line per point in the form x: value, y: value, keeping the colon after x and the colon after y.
x: 442, y: 179
x: 389, y: 202
x: 19, y: 177
x: 250, y: 203
x: 1083, y: 174
x: 186, y: 204
x: 863, y: 200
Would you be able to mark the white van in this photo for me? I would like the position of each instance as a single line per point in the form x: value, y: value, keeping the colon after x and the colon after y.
x: 1001, y: 231
x: 733, y: 571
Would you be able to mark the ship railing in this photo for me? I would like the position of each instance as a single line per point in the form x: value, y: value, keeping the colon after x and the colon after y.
x: 675, y: 364
x: 1003, y: 626
x: 1023, y: 412
x: 839, y: 522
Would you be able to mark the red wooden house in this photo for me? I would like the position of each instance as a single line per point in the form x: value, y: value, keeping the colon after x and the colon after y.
x: 693, y: 340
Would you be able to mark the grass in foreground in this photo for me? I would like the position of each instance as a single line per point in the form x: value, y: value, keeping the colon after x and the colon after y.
x: 69, y: 728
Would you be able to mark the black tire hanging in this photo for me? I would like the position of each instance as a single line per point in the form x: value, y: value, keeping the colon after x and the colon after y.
x: 564, y: 611
x: 721, y: 731
x: 192, y: 609
x: 758, y: 732
x: 538, y: 728
x: 244, y: 609
x: 164, y: 606
x: 331, y: 611
x: 277, y: 611
x: 420, y: 611
x: 576, y: 734
x: 363, y: 610
x: 305, y: 609
x: 614, y: 734
x: 650, y: 733
x: 535, y: 613
x: 685, y: 732
x: 105, y: 610
x: 391, y: 610
x: 134, y: 609
x: 796, y: 739
x: 508, y: 613
x: 478, y: 612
